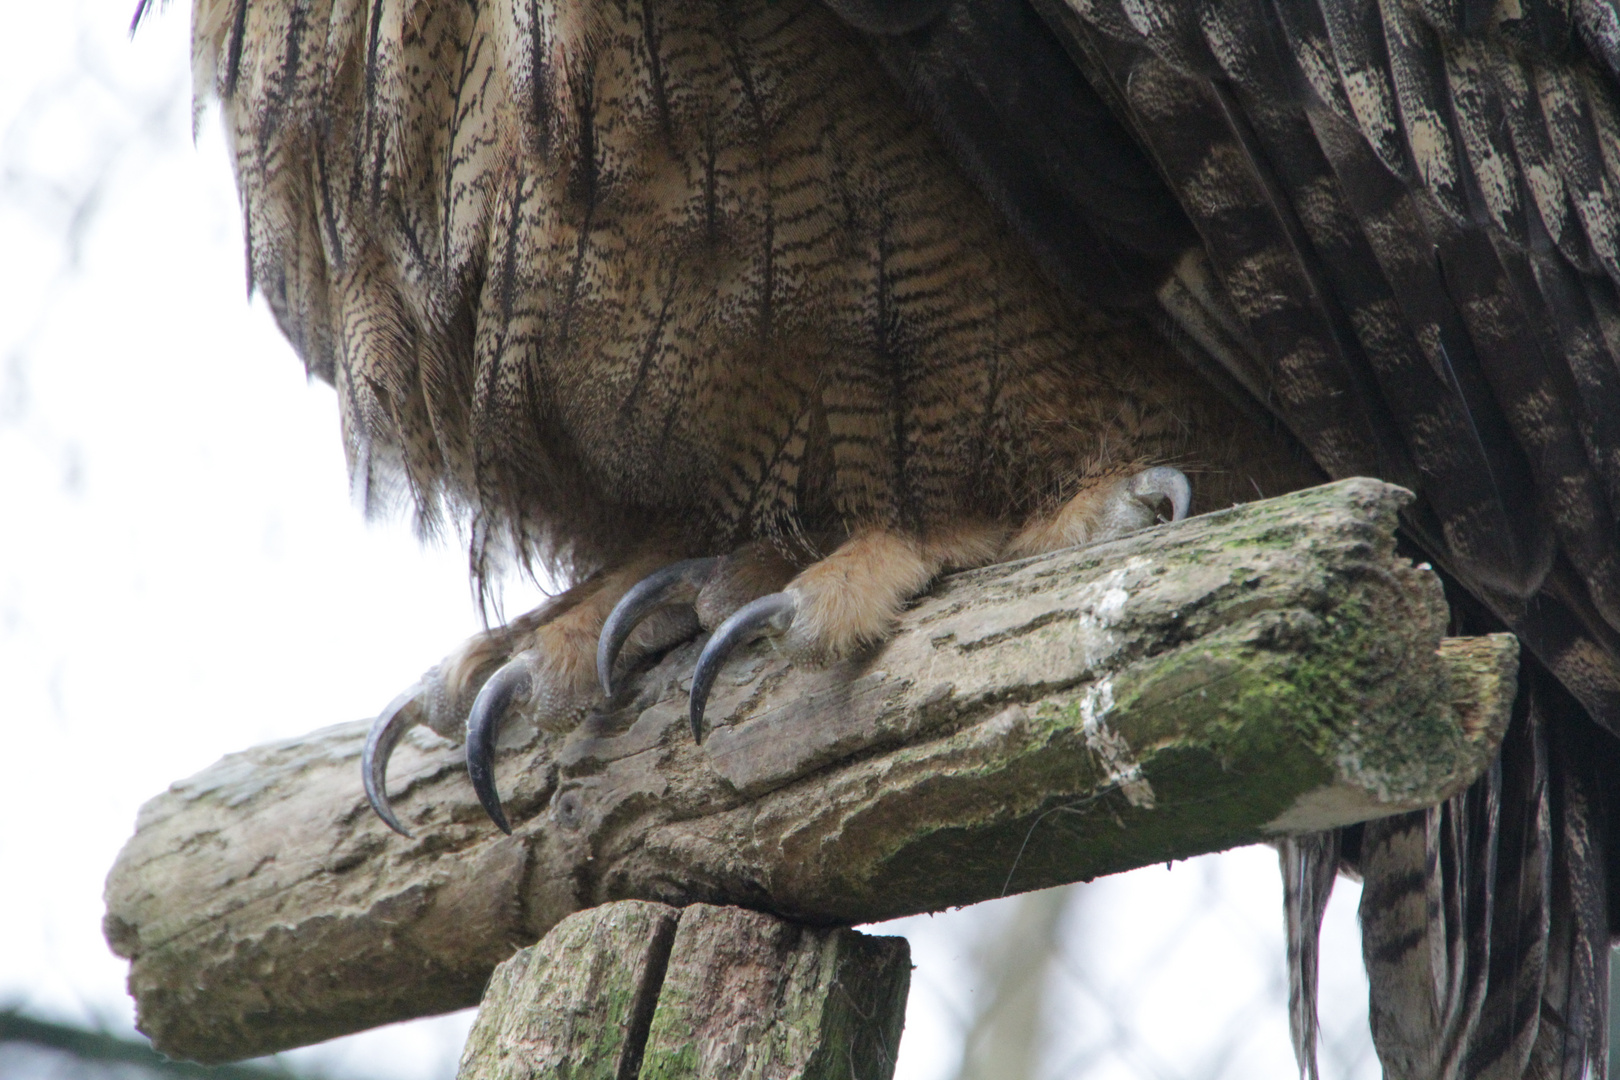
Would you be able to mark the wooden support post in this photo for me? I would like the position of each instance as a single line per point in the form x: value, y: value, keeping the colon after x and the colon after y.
x: 576, y: 1004
x: 620, y: 991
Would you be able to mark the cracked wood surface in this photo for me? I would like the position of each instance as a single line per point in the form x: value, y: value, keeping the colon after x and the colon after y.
x: 1194, y: 687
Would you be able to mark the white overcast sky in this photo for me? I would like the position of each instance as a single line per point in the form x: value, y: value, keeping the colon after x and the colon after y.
x: 182, y: 574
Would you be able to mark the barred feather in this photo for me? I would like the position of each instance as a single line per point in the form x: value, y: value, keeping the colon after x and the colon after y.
x: 583, y: 270
x: 1406, y: 233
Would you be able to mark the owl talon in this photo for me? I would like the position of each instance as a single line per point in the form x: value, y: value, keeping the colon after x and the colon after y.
x: 512, y: 680
x: 1166, y: 483
x: 676, y: 583
x: 771, y: 614
x: 402, y: 714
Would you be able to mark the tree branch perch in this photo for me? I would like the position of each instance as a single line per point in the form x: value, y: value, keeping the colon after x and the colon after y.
x: 1273, y: 668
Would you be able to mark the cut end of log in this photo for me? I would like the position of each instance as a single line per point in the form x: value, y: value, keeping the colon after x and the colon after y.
x: 1481, y: 679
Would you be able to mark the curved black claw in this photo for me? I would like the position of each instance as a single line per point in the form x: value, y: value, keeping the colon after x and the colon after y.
x: 391, y: 724
x: 484, y: 726
x: 675, y: 583
x: 1168, y: 483
x: 770, y: 614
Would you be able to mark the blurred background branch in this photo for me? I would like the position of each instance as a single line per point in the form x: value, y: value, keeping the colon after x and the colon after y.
x: 92, y: 1054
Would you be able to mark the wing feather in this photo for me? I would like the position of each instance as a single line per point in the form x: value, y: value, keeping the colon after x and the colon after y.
x: 1423, y: 104
x: 1355, y: 34
x: 1406, y: 214
x: 1475, y: 100
x: 1598, y: 22
x: 1478, y: 213
x: 1310, y: 863
x: 1477, y: 478
x: 1538, y: 161
x: 1580, y: 159
x: 1209, y: 166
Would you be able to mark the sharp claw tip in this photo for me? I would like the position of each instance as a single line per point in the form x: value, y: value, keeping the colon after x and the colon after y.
x: 770, y: 614
x: 510, y: 681
x: 386, y: 731
x: 673, y: 583
x: 606, y: 652
x: 1168, y: 483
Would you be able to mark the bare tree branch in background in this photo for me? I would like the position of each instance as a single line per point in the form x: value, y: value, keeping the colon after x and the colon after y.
x: 112, y: 124
x: 95, y: 1051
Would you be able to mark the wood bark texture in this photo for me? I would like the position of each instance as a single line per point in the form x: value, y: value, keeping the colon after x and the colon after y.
x: 617, y: 992
x: 753, y: 996
x: 1273, y: 668
x: 576, y: 1005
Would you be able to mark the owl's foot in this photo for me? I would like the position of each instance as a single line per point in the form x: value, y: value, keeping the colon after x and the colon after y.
x: 845, y: 602
x: 851, y: 598
x: 1106, y: 509
x: 824, y: 613
x: 558, y: 660
x: 541, y: 661
x: 711, y: 589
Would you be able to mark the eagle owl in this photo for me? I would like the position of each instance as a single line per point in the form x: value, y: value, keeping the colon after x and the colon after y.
x: 753, y: 316
x: 680, y: 294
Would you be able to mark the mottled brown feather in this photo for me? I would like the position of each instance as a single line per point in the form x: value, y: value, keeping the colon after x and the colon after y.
x: 582, y: 270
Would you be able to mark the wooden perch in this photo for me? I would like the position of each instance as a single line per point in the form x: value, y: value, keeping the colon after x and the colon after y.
x: 1269, y: 669
x: 635, y: 989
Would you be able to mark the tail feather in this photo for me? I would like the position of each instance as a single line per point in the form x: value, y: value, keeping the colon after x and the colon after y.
x: 1519, y: 922
x: 1417, y: 911
x: 1572, y: 1029
x: 1310, y: 862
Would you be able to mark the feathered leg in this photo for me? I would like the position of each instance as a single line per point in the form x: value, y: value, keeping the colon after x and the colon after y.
x: 850, y: 599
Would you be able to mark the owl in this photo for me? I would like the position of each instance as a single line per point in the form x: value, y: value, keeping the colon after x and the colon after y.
x: 752, y: 317
x: 681, y: 304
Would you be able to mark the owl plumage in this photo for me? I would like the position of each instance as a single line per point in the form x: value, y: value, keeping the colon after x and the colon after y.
x: 731, y: 317
x: 615, y: 285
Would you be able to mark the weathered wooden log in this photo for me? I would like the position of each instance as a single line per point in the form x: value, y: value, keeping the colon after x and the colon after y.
x: 619, y: 991
x: 1268, y: 669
